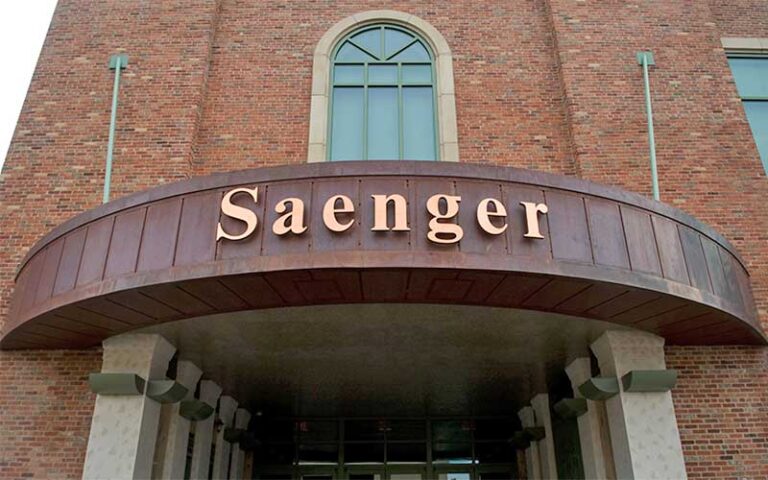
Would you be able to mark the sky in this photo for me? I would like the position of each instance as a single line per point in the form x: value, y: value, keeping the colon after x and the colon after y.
x: 23, y: 25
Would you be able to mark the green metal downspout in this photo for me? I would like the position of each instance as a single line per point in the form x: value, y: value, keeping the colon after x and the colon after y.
x: 645, y: 59
x: 116, y: 62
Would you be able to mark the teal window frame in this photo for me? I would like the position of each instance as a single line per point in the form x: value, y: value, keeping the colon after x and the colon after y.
x: 753, y: 99
x: 367, y: 84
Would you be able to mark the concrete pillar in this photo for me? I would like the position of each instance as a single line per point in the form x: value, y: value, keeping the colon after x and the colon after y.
x: 242, y: 417
x: 201, y: 449
x: 593, y: 438
x: 644, y: 434
x: 540, y: 404
x: 227, y: 407
x: 171, y: 451
x: 121, y: 443
x: 532, y: 462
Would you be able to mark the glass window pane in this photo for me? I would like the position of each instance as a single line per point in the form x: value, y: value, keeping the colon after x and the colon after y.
x: 451, y: 431
x: 382, y: 74
x: 350, y: 53
x: 414, y: 53
x: 383, y: 131
x: 495, y: 429
x: 348, y: 74
x: 277, y: 430
x: 418, y: 124
x: 268, y: 454
x: 394, y: 40
x: 364, y: 453
x: 757, y: 114
x: 407, y: 430
x: 417, y: 74
x: 369, y: 40
x: 751, y: 76
x: 495, y: 452
x: 347, y: 124
x: 406, y: 452
x: 317, y: 430
x: 364, y: 429
x: 455, y: 453
x: 319, y: 453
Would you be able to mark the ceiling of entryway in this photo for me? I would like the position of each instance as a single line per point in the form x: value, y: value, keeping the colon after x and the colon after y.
x: 383, y: 359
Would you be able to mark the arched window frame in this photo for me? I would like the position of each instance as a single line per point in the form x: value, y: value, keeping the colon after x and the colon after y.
x: 321, y: 84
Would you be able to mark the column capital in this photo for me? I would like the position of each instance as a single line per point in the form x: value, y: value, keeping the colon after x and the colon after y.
x: 579, y: 371
x: 188, y: 374
x: 145, y: 354
x: 526, y: 417
x: 620, y: 351
x: 227, y: 408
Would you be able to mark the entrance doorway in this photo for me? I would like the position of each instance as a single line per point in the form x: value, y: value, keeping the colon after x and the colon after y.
x: 386, y: 449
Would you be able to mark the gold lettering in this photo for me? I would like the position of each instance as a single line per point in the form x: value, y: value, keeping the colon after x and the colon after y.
x: 293, y: 221
x: 453, y: 231
x: 483, y: 214
x: 330, y: 211
x: 532, y: 211
x: 380, y: 217
x: 237, y: 212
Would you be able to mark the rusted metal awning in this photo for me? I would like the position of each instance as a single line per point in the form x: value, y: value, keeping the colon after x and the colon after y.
x: 605, y: 254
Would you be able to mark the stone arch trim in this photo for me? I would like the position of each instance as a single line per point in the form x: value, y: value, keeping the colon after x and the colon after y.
x: 321, y: 67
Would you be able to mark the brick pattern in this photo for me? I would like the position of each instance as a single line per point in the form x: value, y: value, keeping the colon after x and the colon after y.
x: 216, y: 85
x: 721, y: 404
x: 508, y: 99
x: 45, y: 412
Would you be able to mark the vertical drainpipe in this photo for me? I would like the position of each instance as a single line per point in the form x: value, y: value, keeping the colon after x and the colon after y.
x: 645, y: 59
x: 116, y: 63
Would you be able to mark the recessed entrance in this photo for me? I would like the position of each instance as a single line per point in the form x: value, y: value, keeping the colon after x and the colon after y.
x: 388, y: 391
x: 386, y: 449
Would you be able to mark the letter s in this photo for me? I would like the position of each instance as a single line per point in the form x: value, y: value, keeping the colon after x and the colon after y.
x: 237, y: 212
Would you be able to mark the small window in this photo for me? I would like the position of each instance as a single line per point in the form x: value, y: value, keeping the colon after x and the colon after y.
x: 751, y: 75
x: 382, y: 97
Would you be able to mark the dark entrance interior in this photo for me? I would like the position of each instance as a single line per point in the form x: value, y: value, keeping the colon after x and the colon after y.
x: 389, y: 391
x: 385, y: 449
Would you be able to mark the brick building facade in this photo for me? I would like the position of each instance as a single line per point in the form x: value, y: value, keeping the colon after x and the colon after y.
x: 545, y: 85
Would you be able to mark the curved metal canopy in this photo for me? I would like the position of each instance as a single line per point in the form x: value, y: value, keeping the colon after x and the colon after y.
x: 605, y: 254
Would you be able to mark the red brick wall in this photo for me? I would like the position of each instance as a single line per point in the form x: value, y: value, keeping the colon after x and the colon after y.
x: 721, y: 403
x: 45, y: 412
x: 509, y: 102
x: 543, y: 84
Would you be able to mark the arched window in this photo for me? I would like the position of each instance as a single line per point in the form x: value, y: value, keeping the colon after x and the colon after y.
x: 382, y: 88
x: 382, y: 97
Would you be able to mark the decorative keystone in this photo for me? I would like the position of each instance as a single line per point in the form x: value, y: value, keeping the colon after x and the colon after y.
x: 599, y: 388
x: 114, y: 58
x: 116, y: 383
x: 649, y: 380
x: 195, y: 410
x: 166, y: 391
x: 535, y: 433
x: 571, y: 407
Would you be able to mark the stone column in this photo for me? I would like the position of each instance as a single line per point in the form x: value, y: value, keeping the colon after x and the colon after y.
x: 532, y: 463
x: 171, y: 451
x: 644, y: 434
x: 242, y: 417
x: 201, y: 449
x: 592, y: 437
x: 540, y: 404
x: 227, y: 407
x: 121, y: 443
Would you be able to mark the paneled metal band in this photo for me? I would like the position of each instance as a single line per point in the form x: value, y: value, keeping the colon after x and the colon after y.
x: 600, y: 253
